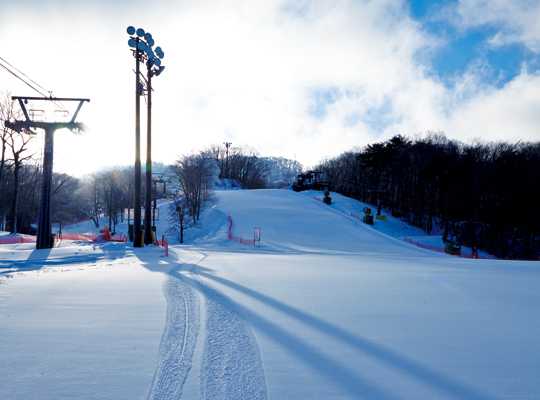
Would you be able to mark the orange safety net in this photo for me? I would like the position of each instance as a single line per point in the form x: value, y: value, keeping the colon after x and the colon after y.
x: 18, y: 239
x: 443, y: 250
x: 90, y: 238
x: 425, y: 246
x: 236, y: 238
x: 78, y: 236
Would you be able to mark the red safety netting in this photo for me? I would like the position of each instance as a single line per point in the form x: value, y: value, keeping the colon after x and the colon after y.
x: 443, y: 250
x: 356, y: 216
x: 77, y: 236
x: 18, y: 239
x: 164, y: 243
x: 10, y: 240
x: 318, y: 199
x: 236, y: 238
x: 29, y: 239
x: 90, y: 238
x: 425, y: 246
x: 241, y: 240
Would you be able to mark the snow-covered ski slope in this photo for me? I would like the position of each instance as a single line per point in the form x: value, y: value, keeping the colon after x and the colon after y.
x: 325, y: 307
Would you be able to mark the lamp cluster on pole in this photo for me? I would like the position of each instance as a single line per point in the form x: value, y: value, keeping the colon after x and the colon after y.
x: 142, y: 43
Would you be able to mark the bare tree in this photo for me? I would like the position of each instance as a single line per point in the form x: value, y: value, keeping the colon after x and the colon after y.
x: 8, y: 112
x: 89, y: 199
x: 111, y: 195
x: 219, y: 153
x: 64, y: 208
x: 30, y: 178
x: 244, y: 165
x: 195, y: 174
x: 18, y: 144
x: 180, y: 217
x: 281, y: 171
x: 126, y: 179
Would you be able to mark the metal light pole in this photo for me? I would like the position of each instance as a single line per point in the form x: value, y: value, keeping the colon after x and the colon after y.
x: 154, y: 68
x: 227, y: 145
x: 148, y: 199
x: 134, y: 42
x: 143, y: 43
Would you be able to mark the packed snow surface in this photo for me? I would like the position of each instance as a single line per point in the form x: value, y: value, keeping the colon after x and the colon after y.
x: 325, y: 307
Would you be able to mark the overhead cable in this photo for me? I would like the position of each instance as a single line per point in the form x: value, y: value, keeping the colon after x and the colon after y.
x: 37, y: 84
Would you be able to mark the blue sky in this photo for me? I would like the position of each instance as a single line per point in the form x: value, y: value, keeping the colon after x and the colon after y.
x: 295, y: 78
x: 468, y: 47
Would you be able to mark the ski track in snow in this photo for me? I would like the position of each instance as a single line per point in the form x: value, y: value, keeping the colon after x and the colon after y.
x: 178, y: 341
x: 231, y: 365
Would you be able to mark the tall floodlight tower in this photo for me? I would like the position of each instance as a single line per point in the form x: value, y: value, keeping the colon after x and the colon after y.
x: 227, y: 145
x: 142, y: 43
x: 138, y: 47
x: 154, y: 68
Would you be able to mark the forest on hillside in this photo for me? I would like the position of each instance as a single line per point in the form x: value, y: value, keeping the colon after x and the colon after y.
x: 480, y: 194
x: 111, y: 190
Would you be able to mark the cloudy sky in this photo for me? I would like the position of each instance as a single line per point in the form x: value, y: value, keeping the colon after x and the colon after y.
x: 299, y: 79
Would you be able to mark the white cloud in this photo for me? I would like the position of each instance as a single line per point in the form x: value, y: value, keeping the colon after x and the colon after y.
x: 508, y: 114
x: 255, y: 82
x: 252, y: 73
x: 516, y: 21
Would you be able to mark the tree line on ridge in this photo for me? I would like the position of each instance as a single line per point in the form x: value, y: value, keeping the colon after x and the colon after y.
x: 482, y: 194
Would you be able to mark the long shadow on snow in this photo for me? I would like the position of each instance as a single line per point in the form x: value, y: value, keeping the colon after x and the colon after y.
x: 181, y: 327
x: 39, y: 259
x: 231, y: 366
x: 345, y: 378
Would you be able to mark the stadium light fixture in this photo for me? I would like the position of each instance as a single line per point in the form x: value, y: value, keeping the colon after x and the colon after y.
x: 142, y: 50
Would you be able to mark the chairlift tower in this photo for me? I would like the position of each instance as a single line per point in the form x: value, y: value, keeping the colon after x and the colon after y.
x: 154, y: 196
x: 44, y: 240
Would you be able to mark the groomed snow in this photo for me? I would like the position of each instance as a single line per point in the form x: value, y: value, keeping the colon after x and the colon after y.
x: 325, y: 307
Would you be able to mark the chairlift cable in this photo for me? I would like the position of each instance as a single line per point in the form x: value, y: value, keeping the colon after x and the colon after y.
x: 31, y: 80
x: 71, y: 165
x: 17, y: 76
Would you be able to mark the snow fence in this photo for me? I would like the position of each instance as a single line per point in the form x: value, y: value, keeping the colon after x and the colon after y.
x: 63, y: 236
x: 236, y: 238
x: 90, y: 238
x: 18, y: 239
x: 440, y: 249
x: 443, y: 250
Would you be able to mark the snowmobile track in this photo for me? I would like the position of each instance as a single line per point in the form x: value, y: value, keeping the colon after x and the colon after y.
x: 230, y: 366
x: 178, y: 340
